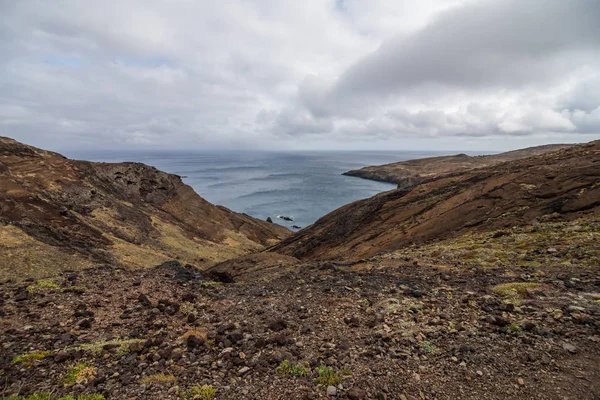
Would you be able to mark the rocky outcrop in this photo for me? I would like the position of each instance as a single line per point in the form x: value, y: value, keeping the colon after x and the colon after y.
x: 563, y: 183
x: 408, y: 174
x: 60, y: 214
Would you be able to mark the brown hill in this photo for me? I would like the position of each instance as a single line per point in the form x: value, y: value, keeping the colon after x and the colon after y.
x: 58, y: 214
x: 564, y: 185
x: 407, y: 174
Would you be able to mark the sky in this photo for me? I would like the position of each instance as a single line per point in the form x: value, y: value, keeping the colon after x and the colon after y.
x: 312, y: 74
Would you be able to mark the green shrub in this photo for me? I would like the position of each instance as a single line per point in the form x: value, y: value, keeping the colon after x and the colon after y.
x: 288, y: 368
x: 204, y: 392
x: 326, y: 376
x: 427, y: 347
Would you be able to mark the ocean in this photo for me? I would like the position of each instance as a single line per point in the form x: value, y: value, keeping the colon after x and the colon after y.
x: 304, y: 185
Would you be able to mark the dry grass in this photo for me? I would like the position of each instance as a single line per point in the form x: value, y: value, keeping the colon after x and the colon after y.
x: 200, y: 333
x: 23, y: 256
x: 577, y: 242
x: 137, y: 256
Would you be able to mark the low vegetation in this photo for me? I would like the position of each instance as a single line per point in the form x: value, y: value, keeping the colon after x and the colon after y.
x: 159, y: 378
x: 545, y: 243
x: 291, y: 369
x: 515, y: 289
x: 41, y: 285
x: 427, y: 347
x: 28, y: 358
x: 79, y: 373
x: 187, y: 308
x: 48, y: 396
x: 204, y: 392
x: 326, y: 376
x: 122, y: 345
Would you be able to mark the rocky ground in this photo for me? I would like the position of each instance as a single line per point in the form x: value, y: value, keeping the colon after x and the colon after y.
x: 440, y: 321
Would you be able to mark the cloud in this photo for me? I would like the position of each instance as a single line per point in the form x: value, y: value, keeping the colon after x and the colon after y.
x: 342, y: 73
x: 500, y: 43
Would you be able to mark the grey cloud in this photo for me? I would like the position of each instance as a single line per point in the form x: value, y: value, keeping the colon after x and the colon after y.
x: 293, y: 121
x: 584, y: 96
x: 483, y: 44
x: 183, y: 74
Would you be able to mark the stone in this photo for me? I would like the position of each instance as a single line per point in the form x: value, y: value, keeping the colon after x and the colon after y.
x: 277, y: 325
x: 357, y: 394
x: 243, y: 371
x: 22, y: 295
x: 85, y: 324
x: 520, y: 381
x: 62, y: 356
x: 331, y: 391
x: 569, y: 347
x: 176, y: 355
x: 143, y: 299
x: 501, y: 321
x: 136, y: 347
x: 194, y: 342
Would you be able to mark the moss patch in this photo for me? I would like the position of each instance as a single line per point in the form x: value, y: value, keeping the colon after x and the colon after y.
x: 122, y: 345
x: 80, y: 373
x: 515, y: 289
x: 29, y: 358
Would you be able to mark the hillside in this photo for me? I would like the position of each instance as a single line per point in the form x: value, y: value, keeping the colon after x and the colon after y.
x: 561, y: 185
x: 407, y: 174
x: 476, y: 284
x: 58, y: 215
x: 513, y: 313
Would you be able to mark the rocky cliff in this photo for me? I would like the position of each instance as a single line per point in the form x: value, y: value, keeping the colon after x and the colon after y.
x: 563, y: 184
x: 58, y: 214
x: 407, y: 174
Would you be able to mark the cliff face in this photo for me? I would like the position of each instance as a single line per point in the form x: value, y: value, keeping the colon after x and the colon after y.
x: 562, y: 185
x: 58, y: 214
x: 408, y: 174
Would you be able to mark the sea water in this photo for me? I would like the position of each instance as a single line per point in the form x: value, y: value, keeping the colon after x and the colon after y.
x: 304, y: 185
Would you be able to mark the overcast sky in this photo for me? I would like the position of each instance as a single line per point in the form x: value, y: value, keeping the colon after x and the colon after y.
x: 316, y: 74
